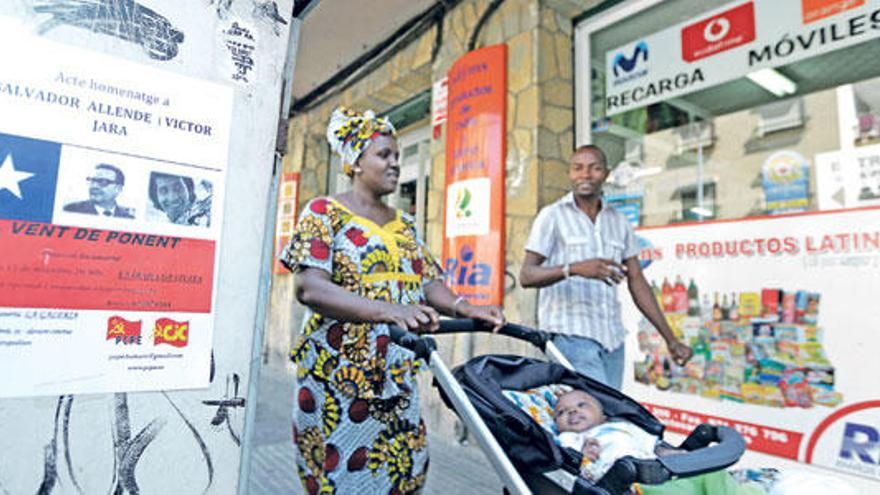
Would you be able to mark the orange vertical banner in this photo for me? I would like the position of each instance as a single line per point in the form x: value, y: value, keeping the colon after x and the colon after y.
x: 473, y: 228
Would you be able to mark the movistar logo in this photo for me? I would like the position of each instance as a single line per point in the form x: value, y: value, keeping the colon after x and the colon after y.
x: 624, y: 68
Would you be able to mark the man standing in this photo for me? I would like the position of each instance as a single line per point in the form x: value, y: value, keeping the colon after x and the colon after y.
x: 579, y: 249
x: 105, y: 184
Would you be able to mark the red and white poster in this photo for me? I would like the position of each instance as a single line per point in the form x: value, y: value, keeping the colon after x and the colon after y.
x: 473, y: 230
x: 112, y: 177
x: 781, y: 313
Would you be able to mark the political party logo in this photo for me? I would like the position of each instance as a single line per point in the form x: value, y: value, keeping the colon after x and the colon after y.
x: 721, y: 32
x: 849, y: 440
x: 28, y: 174
x: 465, y: 271
x: 813, y: 10
x: 630, y: 63
x: 168, y: 331
x: 123, y: 332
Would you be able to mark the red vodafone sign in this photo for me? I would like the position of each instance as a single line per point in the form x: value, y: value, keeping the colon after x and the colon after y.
x: 718, y: 33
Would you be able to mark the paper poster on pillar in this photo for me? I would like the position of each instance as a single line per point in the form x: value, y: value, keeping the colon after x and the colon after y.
x: 782, y: 320
x: 112, y: 177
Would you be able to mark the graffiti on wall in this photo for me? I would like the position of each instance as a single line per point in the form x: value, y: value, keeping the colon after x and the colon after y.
x: 126, y: 20
x: 130, y: 441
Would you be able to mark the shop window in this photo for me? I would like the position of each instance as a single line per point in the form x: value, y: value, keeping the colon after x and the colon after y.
x: 867, y: 102
x: 695, y: 208
x: 780, y: 116
x: 693, y: 136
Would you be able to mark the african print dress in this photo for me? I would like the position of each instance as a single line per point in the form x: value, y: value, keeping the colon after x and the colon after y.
x: 356, y: 415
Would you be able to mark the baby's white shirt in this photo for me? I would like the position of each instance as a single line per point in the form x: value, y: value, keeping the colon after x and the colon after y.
x: 617, y: 439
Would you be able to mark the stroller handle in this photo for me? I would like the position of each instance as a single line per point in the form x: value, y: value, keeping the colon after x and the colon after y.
x: 704, y: 458
x: 421, y: 346
x: 537, y: 338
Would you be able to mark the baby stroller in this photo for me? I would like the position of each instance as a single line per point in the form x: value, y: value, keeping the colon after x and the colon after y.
x: 525, y: 454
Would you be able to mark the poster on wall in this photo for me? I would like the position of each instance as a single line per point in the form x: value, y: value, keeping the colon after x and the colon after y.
x: 285, y: 221
x: 473, y: 228
x: 731, y: 42
x: 785, y: 178
x: 848, y: 178
x: 112, y: 176
x: 781, y: 314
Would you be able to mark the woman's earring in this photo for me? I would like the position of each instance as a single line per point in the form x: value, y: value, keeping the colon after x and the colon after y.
x: 358, y: 170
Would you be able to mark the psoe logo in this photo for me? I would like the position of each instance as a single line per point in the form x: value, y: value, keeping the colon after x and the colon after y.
x: 465, y: 271
x: 171, y: 332
x: 123, y: 332
x: 627, y: 68
x: 849, y: 440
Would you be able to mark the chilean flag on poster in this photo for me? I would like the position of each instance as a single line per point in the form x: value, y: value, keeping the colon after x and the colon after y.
x: 94, y: 230
x: 28, y: 175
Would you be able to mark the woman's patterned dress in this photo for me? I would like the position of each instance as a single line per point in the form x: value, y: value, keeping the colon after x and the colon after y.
x: 356, y: 416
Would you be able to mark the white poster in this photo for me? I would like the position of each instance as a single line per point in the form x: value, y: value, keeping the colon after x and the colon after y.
x: 112, y: 176
x: 730, y: 42
x: 848, y: 178
x: 781, y: 313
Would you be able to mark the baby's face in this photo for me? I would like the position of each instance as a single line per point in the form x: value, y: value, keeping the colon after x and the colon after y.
x: 577, y: 411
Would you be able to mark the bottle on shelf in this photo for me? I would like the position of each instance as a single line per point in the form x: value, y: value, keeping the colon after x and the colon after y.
x: 734, y: 307
x: 716, y: 310
x: 666, y: 291
x: 693, y: 299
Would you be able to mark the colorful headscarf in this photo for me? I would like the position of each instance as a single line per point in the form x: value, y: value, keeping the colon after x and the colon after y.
x: 349, y: 133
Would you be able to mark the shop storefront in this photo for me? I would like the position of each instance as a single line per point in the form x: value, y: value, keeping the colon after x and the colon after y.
x: 745, y: 141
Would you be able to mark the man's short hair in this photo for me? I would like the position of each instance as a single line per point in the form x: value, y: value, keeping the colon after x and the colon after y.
x: 594, y: 149
x: 120, y: 177
x: 154, y: 193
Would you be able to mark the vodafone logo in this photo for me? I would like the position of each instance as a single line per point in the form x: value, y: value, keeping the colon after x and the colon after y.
x: 720, y: 32
x: 716, y: 30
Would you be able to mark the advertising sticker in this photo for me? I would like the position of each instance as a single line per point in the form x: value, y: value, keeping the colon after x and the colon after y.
x: 781, y: 316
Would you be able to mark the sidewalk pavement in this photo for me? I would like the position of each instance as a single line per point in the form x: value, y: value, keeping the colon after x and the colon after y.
x: 454, y: 468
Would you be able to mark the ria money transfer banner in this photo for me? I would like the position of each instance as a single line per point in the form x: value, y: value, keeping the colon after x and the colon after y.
x: 111, y: 198
x: 782, y: 316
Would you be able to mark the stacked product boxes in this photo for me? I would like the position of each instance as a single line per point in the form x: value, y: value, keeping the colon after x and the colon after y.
x: 759, y: 348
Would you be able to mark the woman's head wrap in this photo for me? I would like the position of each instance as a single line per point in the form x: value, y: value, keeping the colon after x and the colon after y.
x: 349, y: 133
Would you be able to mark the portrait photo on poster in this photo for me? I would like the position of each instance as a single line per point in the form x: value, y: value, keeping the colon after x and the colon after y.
x: 179, y: 199
x: 97, y: 188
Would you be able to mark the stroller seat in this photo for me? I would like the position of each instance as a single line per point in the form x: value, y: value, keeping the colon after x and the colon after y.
x: 491, y: 382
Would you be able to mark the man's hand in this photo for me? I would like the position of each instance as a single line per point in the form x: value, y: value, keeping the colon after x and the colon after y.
x: 489, y: 314
x: 606, y: 270
x: 679, y: 351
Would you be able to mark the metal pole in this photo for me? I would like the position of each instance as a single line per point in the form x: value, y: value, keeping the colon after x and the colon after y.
x: 699, y: 175
x: 266, y: 269
x: 509, y: 475
x: 556, y: 355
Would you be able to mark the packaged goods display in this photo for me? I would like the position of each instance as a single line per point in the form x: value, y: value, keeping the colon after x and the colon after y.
x: 758, y: 347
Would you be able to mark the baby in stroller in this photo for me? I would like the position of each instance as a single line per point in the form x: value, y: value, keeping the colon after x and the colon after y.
x: 583, y: 427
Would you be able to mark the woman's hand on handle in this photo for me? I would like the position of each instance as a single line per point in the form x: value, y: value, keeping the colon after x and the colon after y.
x: 413, y: 317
